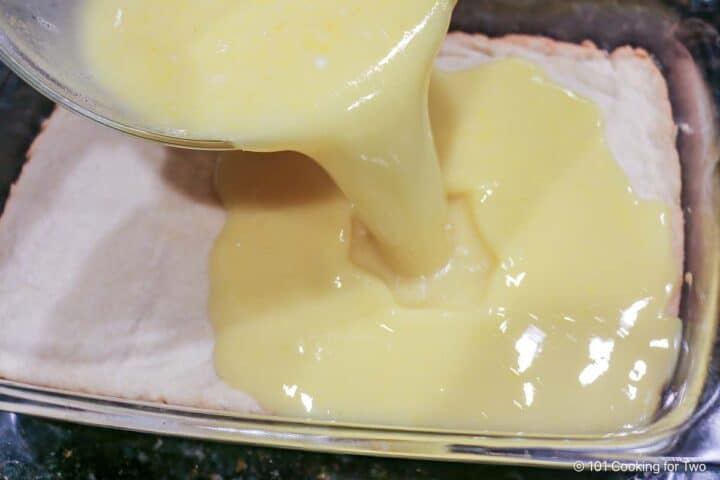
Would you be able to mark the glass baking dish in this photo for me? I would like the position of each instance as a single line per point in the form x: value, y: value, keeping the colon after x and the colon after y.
x: 681, y: 37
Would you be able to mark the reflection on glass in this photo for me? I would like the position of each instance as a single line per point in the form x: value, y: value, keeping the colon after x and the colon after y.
x: 528, y: 346
x: 630, y: 315
x: 529, y: 391
x: 600, y: 352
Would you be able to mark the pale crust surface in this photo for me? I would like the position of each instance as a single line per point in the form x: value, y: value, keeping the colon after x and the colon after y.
x: 103, y: 269
x: 104, y: 242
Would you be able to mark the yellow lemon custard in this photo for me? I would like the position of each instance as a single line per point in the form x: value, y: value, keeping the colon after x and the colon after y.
x: 494, y: 272
x: 342, y: 81
x: 549, y: 317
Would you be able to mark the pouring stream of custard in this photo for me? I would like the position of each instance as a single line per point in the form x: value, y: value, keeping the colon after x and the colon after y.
x: 344, y: 82
x: 550, y: 314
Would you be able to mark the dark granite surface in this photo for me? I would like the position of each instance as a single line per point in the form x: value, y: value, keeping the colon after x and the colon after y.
x: 40, y: 449
x: 32, y: 448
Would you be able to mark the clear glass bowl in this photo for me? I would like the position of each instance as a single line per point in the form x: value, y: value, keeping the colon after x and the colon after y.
x: 37, y: 42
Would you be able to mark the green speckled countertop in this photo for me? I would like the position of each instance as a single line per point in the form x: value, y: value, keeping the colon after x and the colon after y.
x: 33, y: 448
